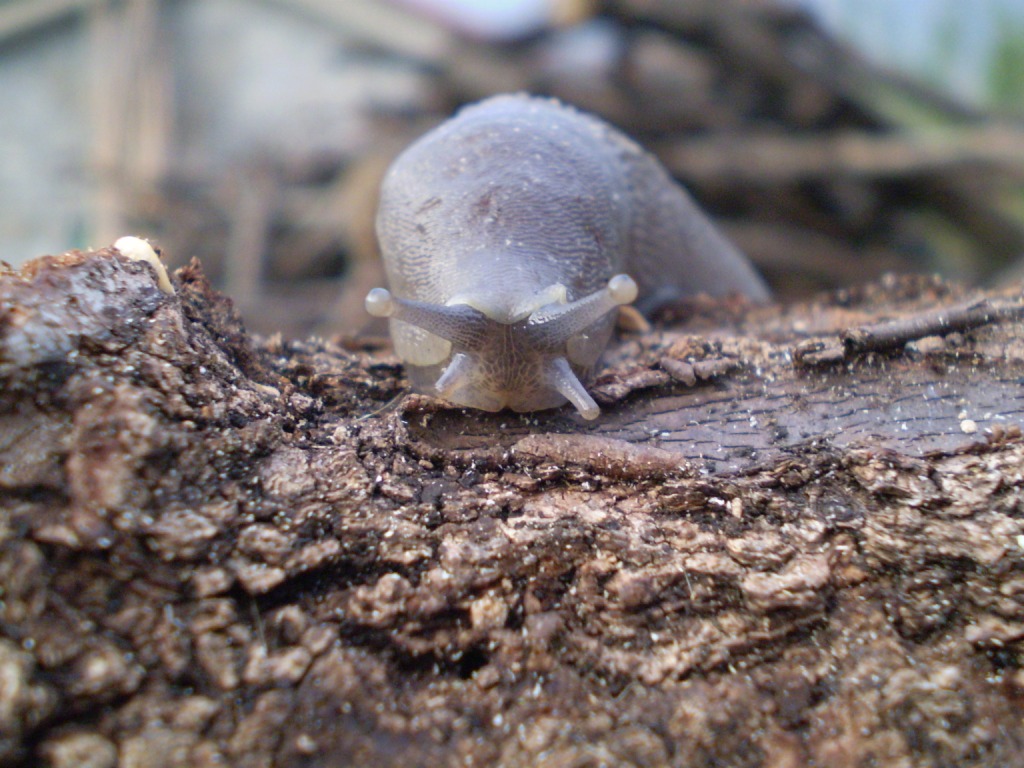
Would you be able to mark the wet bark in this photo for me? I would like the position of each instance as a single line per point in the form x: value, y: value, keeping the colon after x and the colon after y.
x: 795, y: 536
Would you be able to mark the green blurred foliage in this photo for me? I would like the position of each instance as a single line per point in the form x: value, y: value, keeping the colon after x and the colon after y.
x: 1006, y: 66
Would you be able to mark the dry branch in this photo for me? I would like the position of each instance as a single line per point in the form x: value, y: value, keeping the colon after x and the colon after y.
x: 21, y: 17
x: 773, y: 158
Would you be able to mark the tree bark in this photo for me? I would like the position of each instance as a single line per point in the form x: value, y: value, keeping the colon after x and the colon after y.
x: 795, y: 536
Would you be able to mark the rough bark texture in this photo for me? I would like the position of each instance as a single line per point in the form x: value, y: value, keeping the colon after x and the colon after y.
x: 796, y: 536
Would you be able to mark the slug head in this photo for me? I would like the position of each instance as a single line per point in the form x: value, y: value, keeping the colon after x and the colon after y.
x: 526, y: 362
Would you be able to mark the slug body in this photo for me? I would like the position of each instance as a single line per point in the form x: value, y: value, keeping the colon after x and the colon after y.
x: 504, y: 232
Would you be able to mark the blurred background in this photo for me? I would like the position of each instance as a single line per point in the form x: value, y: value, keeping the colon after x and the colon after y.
x: 833, y: 139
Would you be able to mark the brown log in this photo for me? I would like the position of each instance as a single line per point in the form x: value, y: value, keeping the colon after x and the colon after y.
x: 795, y: 536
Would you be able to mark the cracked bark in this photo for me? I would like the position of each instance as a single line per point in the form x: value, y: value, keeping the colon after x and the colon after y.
x: 786, y: 541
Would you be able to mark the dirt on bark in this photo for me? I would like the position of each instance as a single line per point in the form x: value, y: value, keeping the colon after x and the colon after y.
x: 795, y: 536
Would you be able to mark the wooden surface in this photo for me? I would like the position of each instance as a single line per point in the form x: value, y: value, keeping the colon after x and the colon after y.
x: 769, y: 392
x: 795, y: 536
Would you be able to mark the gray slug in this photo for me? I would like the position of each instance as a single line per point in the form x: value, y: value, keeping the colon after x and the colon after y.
x: 504, y: 233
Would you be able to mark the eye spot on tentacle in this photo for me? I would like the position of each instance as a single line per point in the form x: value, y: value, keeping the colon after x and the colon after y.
x: 379, y: 303
x: 623, y: 289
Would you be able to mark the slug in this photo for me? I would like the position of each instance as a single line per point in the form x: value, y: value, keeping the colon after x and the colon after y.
x: 509, y: 235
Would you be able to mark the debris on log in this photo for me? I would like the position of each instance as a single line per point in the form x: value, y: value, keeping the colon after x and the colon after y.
x: 795, y: 536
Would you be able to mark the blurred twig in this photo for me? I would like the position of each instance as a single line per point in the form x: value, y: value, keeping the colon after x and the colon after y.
x: 773, y: 157
x: 20, y: 17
